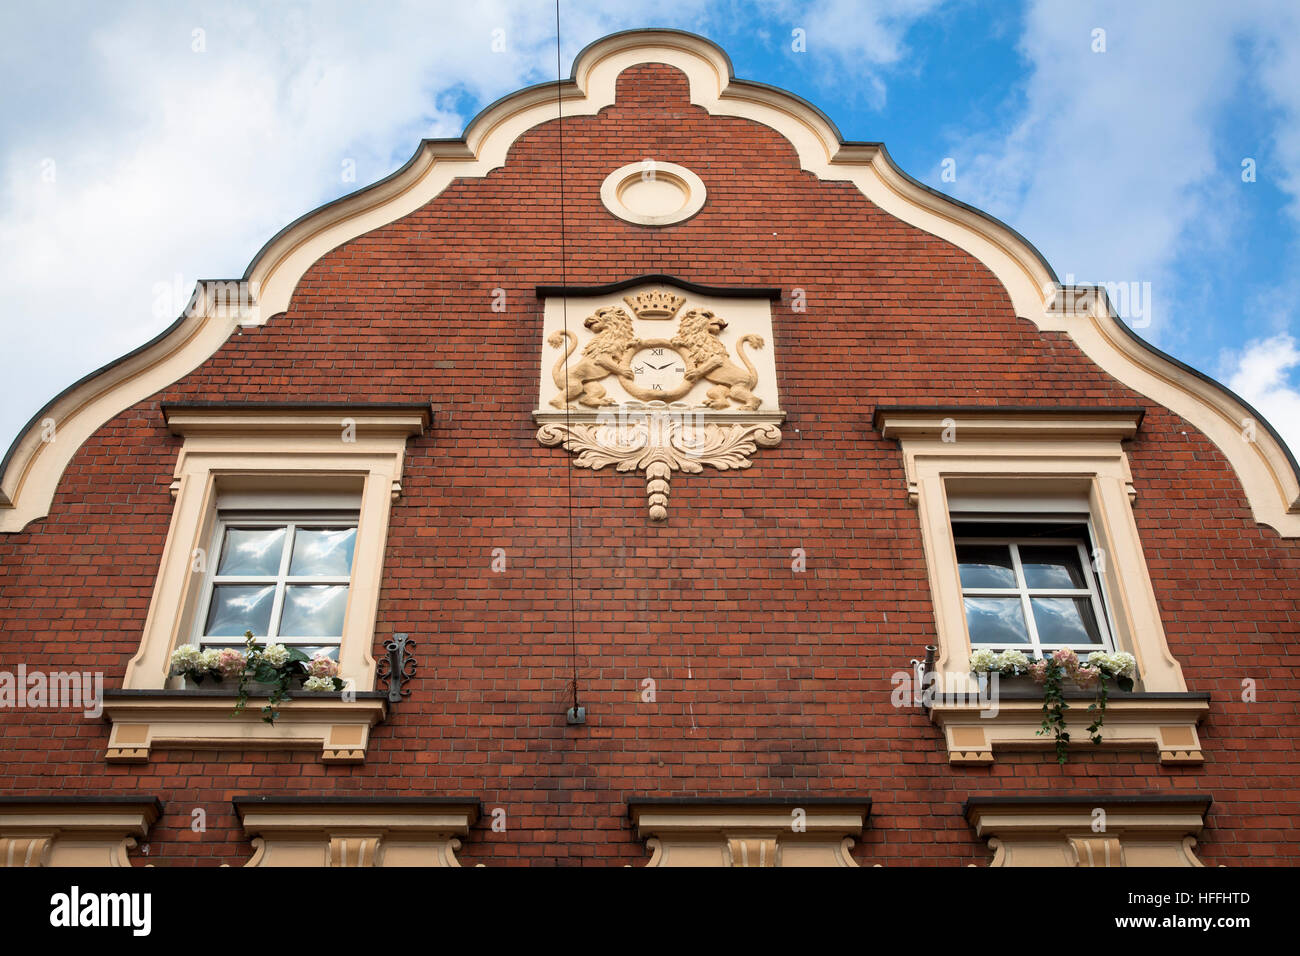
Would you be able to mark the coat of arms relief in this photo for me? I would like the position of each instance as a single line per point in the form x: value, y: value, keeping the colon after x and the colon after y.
x: 658, y: 383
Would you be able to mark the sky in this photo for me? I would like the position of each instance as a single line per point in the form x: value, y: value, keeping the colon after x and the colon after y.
x: 1153, y: 145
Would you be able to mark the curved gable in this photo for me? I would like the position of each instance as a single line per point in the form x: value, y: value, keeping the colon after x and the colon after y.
x: 34, y: 464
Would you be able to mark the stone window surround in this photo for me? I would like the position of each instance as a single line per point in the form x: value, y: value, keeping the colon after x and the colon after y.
x: 1041, y: 454
x: 252, y: 448
x: 749, y: 831
x: 73, y: 830
x: 1063, y: 831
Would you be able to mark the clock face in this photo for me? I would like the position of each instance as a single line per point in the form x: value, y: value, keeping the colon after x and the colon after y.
x: 658, y: 372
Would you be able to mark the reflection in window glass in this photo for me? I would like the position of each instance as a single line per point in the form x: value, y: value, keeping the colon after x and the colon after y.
x: 322, y: 551
x: 1065, y: 620
x: 237, y: 609
x: 1037, y: 590
x: 1052, y: 567
x: 286, y: 581
x: 985, y: 566
x: 254, y: 552
x: 313, y: 610
x: 999, y: 621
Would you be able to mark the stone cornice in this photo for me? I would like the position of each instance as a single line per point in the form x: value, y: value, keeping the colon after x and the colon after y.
x: 1007, y: 422
x: 272, y: 418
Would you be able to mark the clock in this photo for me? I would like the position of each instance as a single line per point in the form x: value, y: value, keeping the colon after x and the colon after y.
x: 658, y: 372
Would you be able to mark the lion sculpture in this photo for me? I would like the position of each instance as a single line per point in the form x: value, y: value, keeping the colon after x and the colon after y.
x: 697, y: 335
x: 605, y: 355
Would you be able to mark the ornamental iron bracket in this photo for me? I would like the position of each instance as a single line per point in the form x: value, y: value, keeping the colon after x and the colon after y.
x: 398, y: 667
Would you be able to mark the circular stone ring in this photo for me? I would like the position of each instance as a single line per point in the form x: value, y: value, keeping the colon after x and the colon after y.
x: 651, y: 193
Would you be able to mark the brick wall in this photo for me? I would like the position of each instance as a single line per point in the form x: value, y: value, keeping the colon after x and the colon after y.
x: 768, y: 682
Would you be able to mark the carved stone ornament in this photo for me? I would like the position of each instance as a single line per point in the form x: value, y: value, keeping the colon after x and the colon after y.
x: 626, y: 394
x: 660, y: 439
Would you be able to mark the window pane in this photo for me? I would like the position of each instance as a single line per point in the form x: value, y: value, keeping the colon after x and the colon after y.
x: 252, y: 551
x: 997, y: 621
x: 323, y: 551
x: 331, y: 650
x: 239, y: 608
x: 985, y: 566
x: 313, y: 610
x: 1052, y: 566
x: 1065, y: 620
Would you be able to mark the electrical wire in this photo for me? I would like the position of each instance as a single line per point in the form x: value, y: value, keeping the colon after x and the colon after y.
x: 568, y: 411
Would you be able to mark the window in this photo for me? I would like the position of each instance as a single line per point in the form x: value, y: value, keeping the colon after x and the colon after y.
x: 279, y: 527
x: 1031, y: 586
x: 286, y: 580
x: 1012, y: 504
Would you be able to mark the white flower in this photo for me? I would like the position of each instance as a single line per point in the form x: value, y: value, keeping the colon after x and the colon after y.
x: 318, y: 683
x: 1012, y: 662
x: 983, y: 660
x: 277, y: 655
x: 186, y: 658
x: 1120, y: 664
x: 210, y: 659
x: 1123, y: 664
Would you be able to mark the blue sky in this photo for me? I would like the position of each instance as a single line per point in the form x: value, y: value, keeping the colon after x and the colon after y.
x: 145, y: 145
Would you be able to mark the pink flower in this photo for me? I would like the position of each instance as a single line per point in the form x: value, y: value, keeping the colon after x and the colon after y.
x: 1087, y: 676
x: 231, y: 663
x: 1038, y: 671
x: 322, y: 666
x: 1067, y: 660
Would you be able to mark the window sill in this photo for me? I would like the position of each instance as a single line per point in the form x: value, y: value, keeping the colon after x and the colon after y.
x: 205, y: 720
x: 1163, y: 722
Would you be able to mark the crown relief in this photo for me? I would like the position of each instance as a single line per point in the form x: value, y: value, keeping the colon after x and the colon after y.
x: 655, y: 305
x: 653, y: 430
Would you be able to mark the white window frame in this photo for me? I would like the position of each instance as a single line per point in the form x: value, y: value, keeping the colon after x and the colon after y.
x: 1095, y: 591
x: 292, y: 520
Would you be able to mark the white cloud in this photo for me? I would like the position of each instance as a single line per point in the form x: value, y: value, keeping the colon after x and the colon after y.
x: 861, y: 41
x: 1278, y: 56
x: 1110, y: 161
x: 1259, y: 374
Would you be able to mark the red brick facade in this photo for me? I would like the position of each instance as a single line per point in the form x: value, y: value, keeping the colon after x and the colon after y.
x: 769, y: 682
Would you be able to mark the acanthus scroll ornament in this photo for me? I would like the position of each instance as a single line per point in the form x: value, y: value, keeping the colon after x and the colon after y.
x: 659, y: 438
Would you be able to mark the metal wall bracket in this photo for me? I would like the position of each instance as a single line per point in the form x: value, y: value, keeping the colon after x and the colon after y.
x: 398, y: 667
